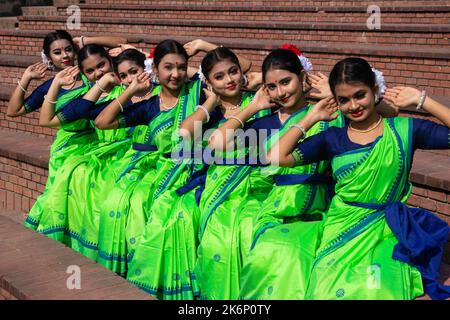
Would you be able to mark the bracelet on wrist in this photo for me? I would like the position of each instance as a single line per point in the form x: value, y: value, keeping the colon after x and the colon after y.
x: 202, y: 107
x: 296, y: 125
x: 120, y: 105
x: 423, y: 95
x: 237, y: 119
x: 49, y: 101
x: 98, y: 85
x: 21, y: 87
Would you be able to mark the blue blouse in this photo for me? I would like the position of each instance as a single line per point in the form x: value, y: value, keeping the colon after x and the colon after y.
x: 36, y: 98
x: 335, y: 141
x: 81, y: 109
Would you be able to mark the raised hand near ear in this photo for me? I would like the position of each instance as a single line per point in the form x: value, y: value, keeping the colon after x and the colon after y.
x: 402, y: 97
x: 325, y: 110
x: 68, y: 76
x: 319, y: 82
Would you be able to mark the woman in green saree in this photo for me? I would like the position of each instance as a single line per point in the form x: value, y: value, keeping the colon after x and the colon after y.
x: 71, y: 211
x: 59, y: 51
x: 372, y: 245
x: 120, y: 174
x: 163, y: 114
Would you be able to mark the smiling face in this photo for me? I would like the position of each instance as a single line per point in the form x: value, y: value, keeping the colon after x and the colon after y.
x: 95, y: 66
x: 226, y: 78
x: 284, y: 87
x: 62, y: 54
x: 128, y: 71
x: 355, y: 100
x: 172, y: 71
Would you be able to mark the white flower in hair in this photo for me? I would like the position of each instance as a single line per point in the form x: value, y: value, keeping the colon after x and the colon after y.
x: 201, y: 76
x: 380, y: 82
x: 306, y: 64
x: 46, y: 61
x: 148, y: 66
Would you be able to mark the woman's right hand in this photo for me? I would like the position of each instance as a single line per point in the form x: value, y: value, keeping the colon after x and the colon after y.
x: 141, y: 83
x: 67, y: 76
x: 114, y: 52
x: 108, y: 81
x: 35, y: 71
x: 261, y: 100
x: 324, y: 110
x: 319, y: 82
x: 212, y: 96
x: 195, y: 46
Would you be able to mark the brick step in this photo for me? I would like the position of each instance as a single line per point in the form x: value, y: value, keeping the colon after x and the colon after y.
x: 404, y: 65
x: 258, y: 3
x: 13, y: 67
x: 9, y: 23
x: 46, y: 11
x: 430, y: 14
x: 35, y: 267
x: 29, y: 43
x: 352, y: 33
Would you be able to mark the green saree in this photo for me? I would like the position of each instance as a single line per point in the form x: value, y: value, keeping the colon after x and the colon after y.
x: 161, y: 251
x: 232, y: 195
x: 71, y: 215
x: 354, y: 260
x: 70, y: 140
x: 288, y: 228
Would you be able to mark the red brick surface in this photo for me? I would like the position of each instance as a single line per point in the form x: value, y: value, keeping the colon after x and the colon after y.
x: 35, y: 267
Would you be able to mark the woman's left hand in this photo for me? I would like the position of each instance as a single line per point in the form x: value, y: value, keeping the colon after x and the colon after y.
x: 325, y: 110
x: 402, y: 97
x: 212, y: 96
x: 319, y: 82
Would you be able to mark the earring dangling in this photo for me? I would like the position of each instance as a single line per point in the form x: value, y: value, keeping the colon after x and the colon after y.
x: 245, y: 81
x: 154, y: 78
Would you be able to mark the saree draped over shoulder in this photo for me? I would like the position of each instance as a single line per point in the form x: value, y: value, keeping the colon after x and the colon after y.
x: 162, y: 256
x: 357, y: 255
x: 70, y: 140
x: 287, y: 229
x: 72, y: 213
x: 233, y: 193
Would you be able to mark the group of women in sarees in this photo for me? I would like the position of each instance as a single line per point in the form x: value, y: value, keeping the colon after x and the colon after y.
x: 220, y: 183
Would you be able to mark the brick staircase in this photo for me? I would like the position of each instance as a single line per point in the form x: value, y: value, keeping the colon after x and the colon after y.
x: 411, y: 48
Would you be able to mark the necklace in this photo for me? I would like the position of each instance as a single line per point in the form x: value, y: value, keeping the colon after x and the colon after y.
x: 236, y: 106
x: 367, y: 130
x: 166, y: 108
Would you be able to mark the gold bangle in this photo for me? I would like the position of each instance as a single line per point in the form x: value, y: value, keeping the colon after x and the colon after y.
x: 21, y: 87
x: 121, y: 107
x: 98, y: 85
x: 296, y: 125
x: 49, y: 101
x: 237, y: 119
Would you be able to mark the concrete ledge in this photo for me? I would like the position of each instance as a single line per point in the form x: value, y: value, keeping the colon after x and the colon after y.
x: 34, y: 266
